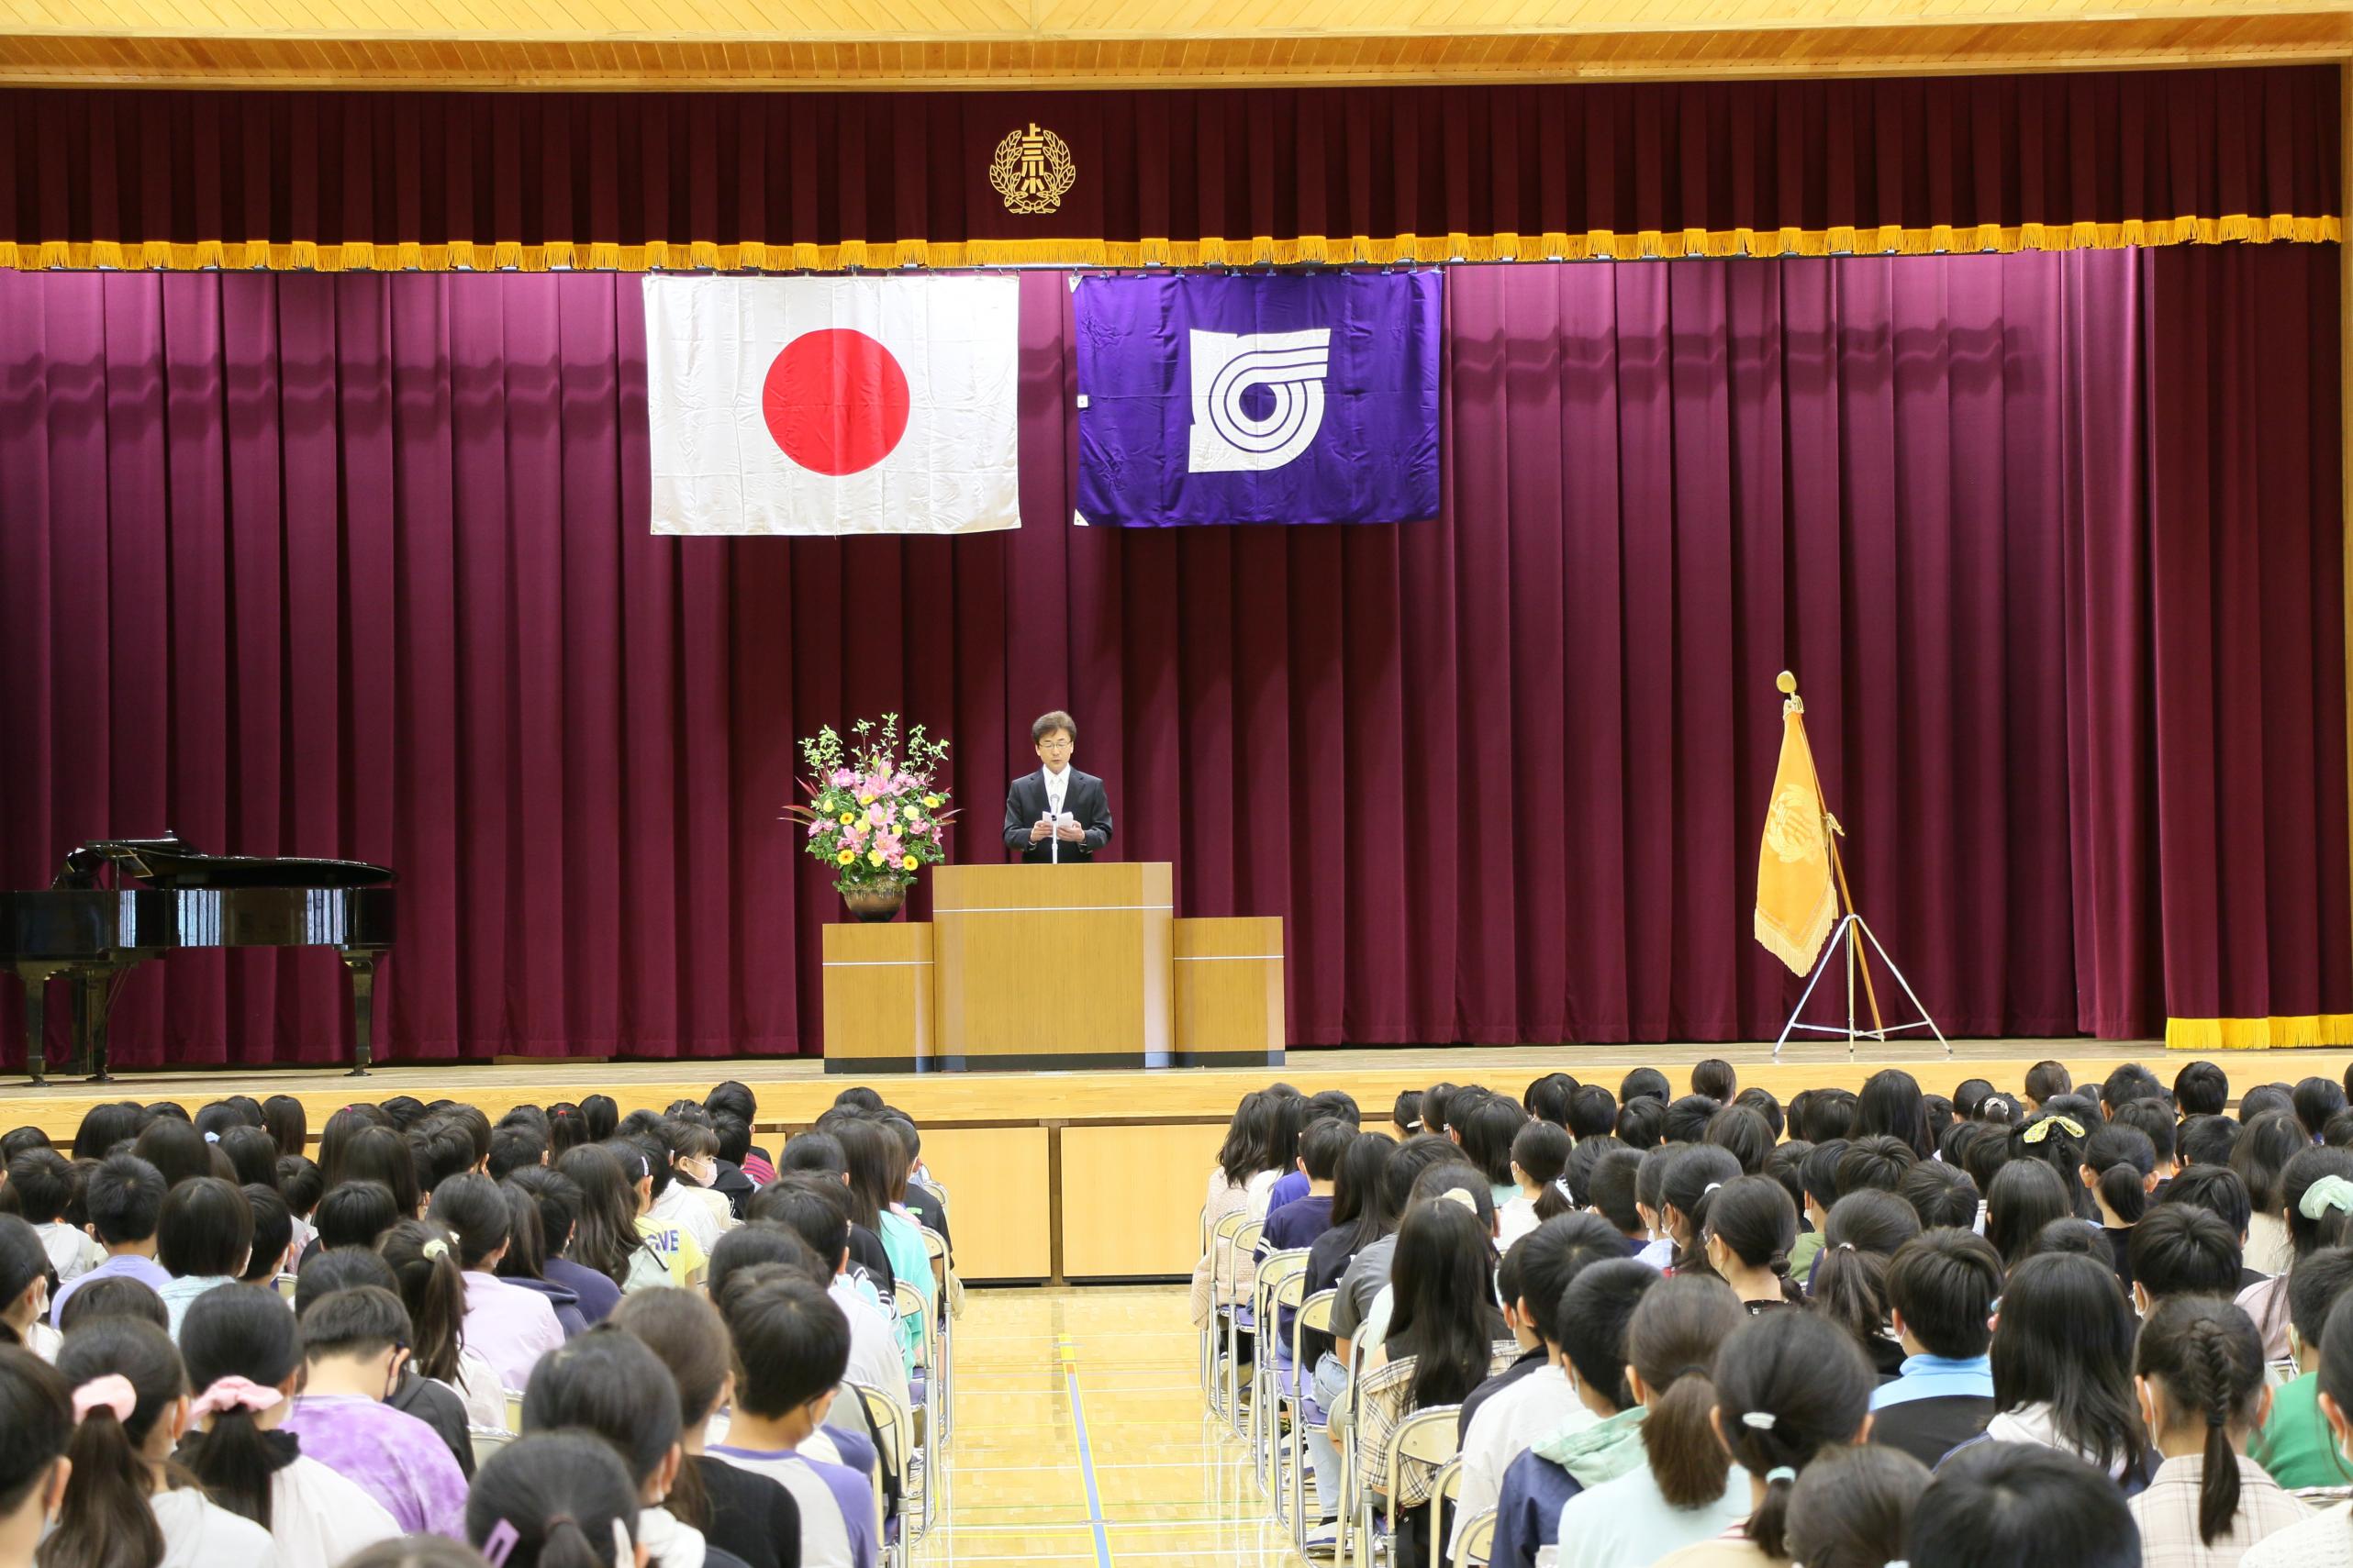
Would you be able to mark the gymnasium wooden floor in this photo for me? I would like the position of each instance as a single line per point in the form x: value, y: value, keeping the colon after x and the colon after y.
x: 1080, y: 1439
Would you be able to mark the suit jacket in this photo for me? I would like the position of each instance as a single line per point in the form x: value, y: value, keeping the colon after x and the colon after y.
x: 1084, y: 799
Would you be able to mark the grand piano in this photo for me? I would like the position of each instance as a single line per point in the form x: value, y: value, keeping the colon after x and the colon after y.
x: 119, y: 902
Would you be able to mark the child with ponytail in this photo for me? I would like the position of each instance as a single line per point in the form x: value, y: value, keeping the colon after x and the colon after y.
x: 1679, y: 1495
x: 126, y: 1505
x: 1788, y: 1385
x: 2316, y: 1188
x: 244, y: 1358
x: 2119, y: 1171
x: 1850, y: 1274
x: 554, y: 1500
x: 1746, y: 1229
x: 2199, y: 1378
x: 424, y: 1261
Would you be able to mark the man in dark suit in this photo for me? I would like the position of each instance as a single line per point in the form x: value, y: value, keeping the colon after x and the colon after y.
x: 1057, y: 813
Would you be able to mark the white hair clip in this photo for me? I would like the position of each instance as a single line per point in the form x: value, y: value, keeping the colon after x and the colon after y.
x: 1763, y: 1420
x: 1456, y: 1195
x: 1709, y: 1188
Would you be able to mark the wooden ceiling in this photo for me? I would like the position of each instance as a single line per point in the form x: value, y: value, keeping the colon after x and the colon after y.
x: 997, y: 43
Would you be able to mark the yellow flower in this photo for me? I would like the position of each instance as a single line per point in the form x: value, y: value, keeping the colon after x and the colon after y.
x: 912, y: 813
x: 845, y: 857
x: 847, y: 818
x: 932, y: 801
x: 866, y: 800
x: 873, y: 857
x: 910, y: 864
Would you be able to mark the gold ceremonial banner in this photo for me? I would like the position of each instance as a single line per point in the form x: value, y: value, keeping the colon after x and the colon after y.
x: 1796, y: 902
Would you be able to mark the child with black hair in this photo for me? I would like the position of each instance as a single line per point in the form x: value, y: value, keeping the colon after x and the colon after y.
x: 1687, y: 1119
x: 748, y: 1514
x: 423, y: 1259
x: 2294, y: 1442
x: 1405, y: 1114
x: 2202, y: 1089
x: 610, y: 1383
x: 2062, y: 1366
x: 124, y: 1198
x: 273, y: 1248
x: 2315, y: 1189
x: 555, y: 1500
x: 41, y: 1181
x: 559, y: 1200
x: 1599, y: 1442
x: 36, y: 1425
x: 1743, y: 1133
x: 1818, y: 1176
x: 1789, y: 1386
x: 1640, y: 1122
x: 1300, y: 1222
x: 126, y: 1505
x: 2266, y: 1143
x: 524, y: 1263
x: 1614, y: 1184
x: 1540, y: 1152
x: 2182, y: 1249
x: 244, y: 1358
x: 1714, y: 1078
x: 355, y: 1352
x: 1644, y: 1083
x: 2200, y: 1382
x: 1680, y: 1493
x: 1941, y: 1290
x: 2021, y: 1505
x: 119, y: 1296
x: 1696, y: 1171
x: 1747, y: 1228
x: 2025, y: 1197
x: 816, y: 1212
x: 2119, y: 1171
x: 1852, y: 1506
x: 2046, y: 1080
x: 1650, y: 1197
x: 204, y: 1238
x: 1865, y: 1232
x: 508, y: 1326
x: 792, y: 1345
x: 1485, y: 1129
x: 1534, y: 1396
x: 24, y: 1289
x: 1941, y: 1194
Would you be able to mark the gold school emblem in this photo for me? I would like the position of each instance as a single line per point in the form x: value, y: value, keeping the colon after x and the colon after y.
x: 1032, y: 169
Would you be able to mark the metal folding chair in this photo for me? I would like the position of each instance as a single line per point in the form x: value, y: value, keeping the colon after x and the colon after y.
x: 514, y: 1410
x: 1279, y: 1283
x: 1241, y: 1316
x: 936, y: 1245
x: 894, y: 1426
x: 1220, y: 1256
x: 1426, y: 1436
x: 487, y: 1441
x: 1299, y: 1400
x: 908, y: 1299
x: 1473, y: 1546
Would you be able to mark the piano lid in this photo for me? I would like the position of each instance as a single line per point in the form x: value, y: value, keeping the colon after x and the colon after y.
x: 173, y: 863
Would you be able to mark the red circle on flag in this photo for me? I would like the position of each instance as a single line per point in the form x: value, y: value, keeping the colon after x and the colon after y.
x: 835, y: 401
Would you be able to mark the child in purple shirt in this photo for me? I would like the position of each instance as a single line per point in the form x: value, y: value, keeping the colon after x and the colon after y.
x: 355, y: 1342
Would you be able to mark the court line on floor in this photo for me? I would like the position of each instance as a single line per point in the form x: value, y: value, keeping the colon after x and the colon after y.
x: 1069, y: 1352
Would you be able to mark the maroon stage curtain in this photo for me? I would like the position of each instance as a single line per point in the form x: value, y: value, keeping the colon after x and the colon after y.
x: 488, y: 179
x: 358, y: 565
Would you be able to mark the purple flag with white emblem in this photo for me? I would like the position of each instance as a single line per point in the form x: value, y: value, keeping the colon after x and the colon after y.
x: 1258, y: 399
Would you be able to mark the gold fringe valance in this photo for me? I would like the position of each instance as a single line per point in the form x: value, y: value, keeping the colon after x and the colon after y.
x: 700, y: 255
x: 2258, y: 1034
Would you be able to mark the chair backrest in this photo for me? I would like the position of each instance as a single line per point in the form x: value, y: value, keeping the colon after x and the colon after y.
x: 1474, y: 1540
x: 1428, y: 1435
x: 286, y: 1283
x: 893, y: 1429
x: 514, y: 1410
x: 1277, y: 1267
x: 487, y: 1441
x: 935, y: 1246
x: 1245, y: 1243
x: 1290, y: 1289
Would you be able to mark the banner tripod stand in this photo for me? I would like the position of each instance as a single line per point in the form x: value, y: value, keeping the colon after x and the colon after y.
x: 1847, y: 937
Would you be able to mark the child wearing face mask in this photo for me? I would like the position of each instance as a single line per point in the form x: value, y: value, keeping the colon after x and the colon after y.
x: 356, y: 1346
x: 24, y: 1289
x: 36, y: 1423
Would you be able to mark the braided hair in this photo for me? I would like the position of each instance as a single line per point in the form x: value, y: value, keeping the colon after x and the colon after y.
x: 2208, y: 1358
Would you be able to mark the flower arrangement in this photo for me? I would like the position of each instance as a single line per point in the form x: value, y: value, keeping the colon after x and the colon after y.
x: 874, y: 815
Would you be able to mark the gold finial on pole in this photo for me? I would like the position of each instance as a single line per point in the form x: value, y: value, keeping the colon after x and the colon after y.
x: 1786, y: 683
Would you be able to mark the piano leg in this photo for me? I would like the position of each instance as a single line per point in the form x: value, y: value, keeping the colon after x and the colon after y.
x: 93, y: 995
x: 36, y: 1023
x: 362, y: 966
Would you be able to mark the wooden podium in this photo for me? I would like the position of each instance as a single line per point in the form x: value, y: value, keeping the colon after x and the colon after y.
x: 1059, y: 968
x: 1051, y: 966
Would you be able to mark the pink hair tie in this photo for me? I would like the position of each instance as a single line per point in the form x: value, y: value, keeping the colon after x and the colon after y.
x: 234, y: 1394
x: 111, y: 1393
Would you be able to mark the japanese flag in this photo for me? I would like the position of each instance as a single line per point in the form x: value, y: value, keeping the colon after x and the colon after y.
x: 833, y: 405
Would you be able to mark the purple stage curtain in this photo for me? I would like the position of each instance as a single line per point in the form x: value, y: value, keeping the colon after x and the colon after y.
x: 358, y: 565
x: 761, y: 180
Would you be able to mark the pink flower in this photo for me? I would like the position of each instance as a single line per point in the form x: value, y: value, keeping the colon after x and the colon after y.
x: 888, y: 843
x: 878, y: 814
x: 818, y: 827
x: 878, y: 784
x: 856, y: 832
x: 843, y: 778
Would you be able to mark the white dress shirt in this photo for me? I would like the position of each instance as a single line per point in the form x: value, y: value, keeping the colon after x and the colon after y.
x: 1057, y: 786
